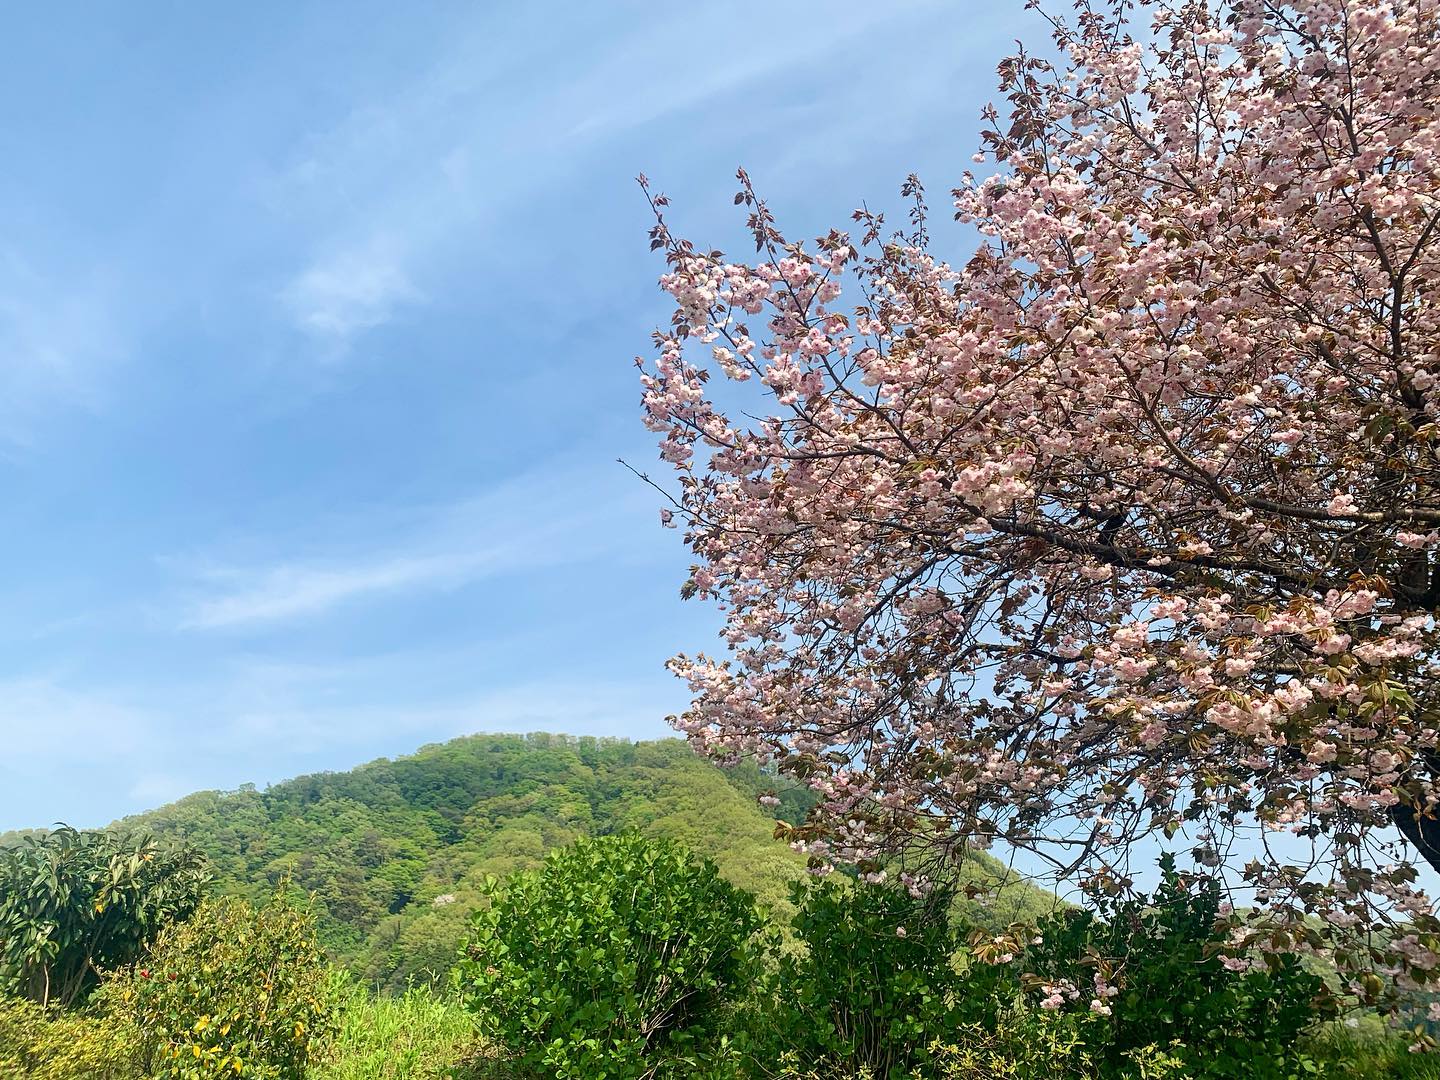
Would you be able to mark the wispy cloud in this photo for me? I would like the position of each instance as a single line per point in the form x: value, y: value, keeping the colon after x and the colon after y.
x: 57, y: 335
x: 44, y: 720
x: 273, y: 593
x: 564, y: 515
x: 399, y: 179
x: 342, y: 295
x: 633, y: 87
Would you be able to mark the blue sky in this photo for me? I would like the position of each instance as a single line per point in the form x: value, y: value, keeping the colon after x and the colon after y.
x: 316, y: 329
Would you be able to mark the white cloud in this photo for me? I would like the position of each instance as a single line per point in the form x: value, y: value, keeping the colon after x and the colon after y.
x: 342, y: 295
x: 392, y: 186
x: 43, y: 721
x: 562, y: 515
x: 635, y: 87
x: 57, y: 336
x: 282, y: 592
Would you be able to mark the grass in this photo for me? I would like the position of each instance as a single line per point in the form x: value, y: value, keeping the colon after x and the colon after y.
x: 1370, y: 1052
x: 421, y: 1035
x: 426, y: 1035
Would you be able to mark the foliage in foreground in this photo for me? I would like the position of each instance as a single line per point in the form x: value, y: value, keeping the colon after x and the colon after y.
x: 891, y: 985
x: 418, y: 1035
x: 1153, y: 972
x: 625, y: 958
x: 73, y: 904
x: 1364, y: 1050
x: 616, y: 959
x: 45, y: 1042
x: 236, y: 991
x: 872, y: 983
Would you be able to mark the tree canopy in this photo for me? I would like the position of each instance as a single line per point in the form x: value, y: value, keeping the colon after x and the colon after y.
x: 1125, y: 523
x: 75, y: 904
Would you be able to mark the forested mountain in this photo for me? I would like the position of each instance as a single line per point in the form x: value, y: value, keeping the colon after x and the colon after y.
x: 395, y: 850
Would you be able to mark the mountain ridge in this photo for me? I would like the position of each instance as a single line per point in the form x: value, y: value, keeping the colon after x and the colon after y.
x: 394, y: 852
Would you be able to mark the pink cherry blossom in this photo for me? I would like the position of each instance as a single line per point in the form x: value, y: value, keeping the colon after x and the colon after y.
x: 1127, y: 516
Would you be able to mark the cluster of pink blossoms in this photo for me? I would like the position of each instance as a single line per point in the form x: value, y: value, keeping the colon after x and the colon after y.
x: 1126, y: 524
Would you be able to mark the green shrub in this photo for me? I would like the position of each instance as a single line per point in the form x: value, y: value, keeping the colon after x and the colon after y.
x: 873, y: 985
x: 1150, y: 973
x: 615, y: 959
x: 39, y: 1042
x: 75, y: 903
x: 1028, y: 1048
x: 1028, y: 1044
x: 235, y: 991
x: 886, y: 985
x: 1021, y: 1044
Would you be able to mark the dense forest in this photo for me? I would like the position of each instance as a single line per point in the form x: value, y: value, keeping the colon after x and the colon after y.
x: 540, y: 906
x: 395, y: 851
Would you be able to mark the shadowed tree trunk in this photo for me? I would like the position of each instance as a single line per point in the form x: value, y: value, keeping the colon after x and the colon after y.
x: 1422, y: 832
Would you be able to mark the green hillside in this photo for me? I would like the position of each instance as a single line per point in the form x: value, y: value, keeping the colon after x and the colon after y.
x: 394, y: 850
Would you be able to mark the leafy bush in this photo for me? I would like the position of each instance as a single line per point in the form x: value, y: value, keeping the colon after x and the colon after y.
x: 1150, y: 973
x: 872, y: 984
x: 75, y: 903
x: 615, y: 959
x: 1022, y: 1045
x: 1027, y: 1044
x: 235, y: 992
x: 39, y: 1042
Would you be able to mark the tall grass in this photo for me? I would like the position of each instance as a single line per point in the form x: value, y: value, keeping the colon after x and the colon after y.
x: 1370, y: 1052
x: 421, y: 1035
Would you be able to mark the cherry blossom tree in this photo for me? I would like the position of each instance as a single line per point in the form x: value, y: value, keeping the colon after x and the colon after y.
x: 1127, y: 524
